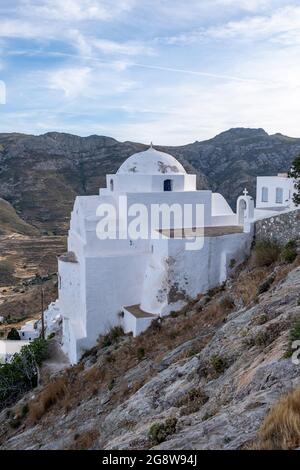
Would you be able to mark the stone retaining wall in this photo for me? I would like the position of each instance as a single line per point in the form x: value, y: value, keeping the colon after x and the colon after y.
x: 281, y: 228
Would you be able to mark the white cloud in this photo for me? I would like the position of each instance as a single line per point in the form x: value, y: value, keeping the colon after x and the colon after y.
x: 76, y: 10
x: 281, y: 25
x: 125, y: 48
x: 72, y: 81
x: 18, y: 28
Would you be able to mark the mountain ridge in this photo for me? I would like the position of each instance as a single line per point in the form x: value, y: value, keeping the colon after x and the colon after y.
x: 41, y: 175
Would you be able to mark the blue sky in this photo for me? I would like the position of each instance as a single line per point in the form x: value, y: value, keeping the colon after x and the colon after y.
x: 167, y: 71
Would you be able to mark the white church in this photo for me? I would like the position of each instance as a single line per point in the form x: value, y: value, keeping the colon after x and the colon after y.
x: 113, y: 276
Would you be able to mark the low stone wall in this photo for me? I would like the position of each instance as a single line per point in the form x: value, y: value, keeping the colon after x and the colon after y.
x: 281, y: 228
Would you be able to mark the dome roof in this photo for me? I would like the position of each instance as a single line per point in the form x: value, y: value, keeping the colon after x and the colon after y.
x: 151, y: 162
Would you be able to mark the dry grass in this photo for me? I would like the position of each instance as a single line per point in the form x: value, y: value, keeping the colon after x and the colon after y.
x: 86, y: 440
x: 53, y: 392
x: 81, y: 383
x: 265, y: 253
x: 281, y: 427
x: 248, y: 283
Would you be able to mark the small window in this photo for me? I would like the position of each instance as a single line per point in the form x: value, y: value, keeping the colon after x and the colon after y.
x: 279, y: 195
x: 264, y: 195
x: 168, y: 185
x: 111, y: 184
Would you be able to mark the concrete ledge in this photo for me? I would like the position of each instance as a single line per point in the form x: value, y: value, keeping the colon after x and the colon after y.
x: 135, y: 320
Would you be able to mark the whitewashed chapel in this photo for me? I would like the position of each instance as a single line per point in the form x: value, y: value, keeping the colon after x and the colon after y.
x: 110, y: 276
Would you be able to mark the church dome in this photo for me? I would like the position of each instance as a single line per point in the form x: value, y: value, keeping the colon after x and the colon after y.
x: 151, y: 162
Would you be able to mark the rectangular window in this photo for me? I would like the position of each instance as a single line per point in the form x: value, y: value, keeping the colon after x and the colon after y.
x: 264, y: 195
x: 279, y: 196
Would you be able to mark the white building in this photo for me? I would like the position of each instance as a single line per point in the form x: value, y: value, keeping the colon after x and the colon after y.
x: 29, y: 331
x: 108, y: 278
x: 274, y: 194
x: 10, y: 347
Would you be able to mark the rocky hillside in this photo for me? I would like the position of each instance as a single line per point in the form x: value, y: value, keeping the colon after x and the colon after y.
x: 41, y: 175
x: 10, y: 222
x: 201, y: 379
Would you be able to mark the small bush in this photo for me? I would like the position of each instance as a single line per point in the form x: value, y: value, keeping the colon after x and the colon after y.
x: 261, y: 339
x: 265, y: 286
x: 111, y: 384
x: 227, y: 303
x: 159, y: 432
x: 265, y: 253
x: 289, y: 252
x: 53, y: 392
x: 192, y: 401
x: 111, y: 337
x: 86, y: 440
x: 140, y: 353
x: 262, y: 319
x: 13, y: 335
x: 15, y: 423
x: 218, y: 363
x: 24, y: 410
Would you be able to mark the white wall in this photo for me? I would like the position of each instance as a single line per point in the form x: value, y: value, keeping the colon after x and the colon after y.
x: 273, y: 182
x: 9, y: 347
x: 190, y: 272
x: 112, y: 282
x: 148, y: 183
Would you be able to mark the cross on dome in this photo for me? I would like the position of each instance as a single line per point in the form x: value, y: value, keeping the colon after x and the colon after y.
x: 245, y: 192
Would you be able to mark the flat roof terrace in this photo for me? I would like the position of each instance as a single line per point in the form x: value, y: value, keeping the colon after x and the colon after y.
x: 137, y: 312
x: 217, y: 231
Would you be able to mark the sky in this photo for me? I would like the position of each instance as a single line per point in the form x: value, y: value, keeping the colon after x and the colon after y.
x: 167, y: 71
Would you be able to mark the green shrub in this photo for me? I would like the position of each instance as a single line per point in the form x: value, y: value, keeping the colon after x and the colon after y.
x: 24, y: 410
x: 192, y: 401
x: 15, y: 423
x: 13, y: 335
x: 159, y: 432
x: 140, y: 353
x: 265, y: 253
x: 111, y: 384
x: 21, y: 374
x: 289, y: 252
x: 111, y: 337
x: 219, y: 363
x: 261, y: 339
x: 227, y: 303
x: 265, y: 286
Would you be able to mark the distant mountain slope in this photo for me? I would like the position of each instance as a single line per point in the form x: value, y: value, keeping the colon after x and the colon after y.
x: 233, y: 159
x: 10, y: 222
x: 41, y: 175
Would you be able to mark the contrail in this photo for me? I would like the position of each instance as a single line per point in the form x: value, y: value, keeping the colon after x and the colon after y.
x: 152, y: 67
x: 194, y: 72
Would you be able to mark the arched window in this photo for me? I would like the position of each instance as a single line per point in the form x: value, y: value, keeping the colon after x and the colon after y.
x: 264, y: 195
x: 279, y: 196
x: 168, y: 185
x: 111, y: 184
